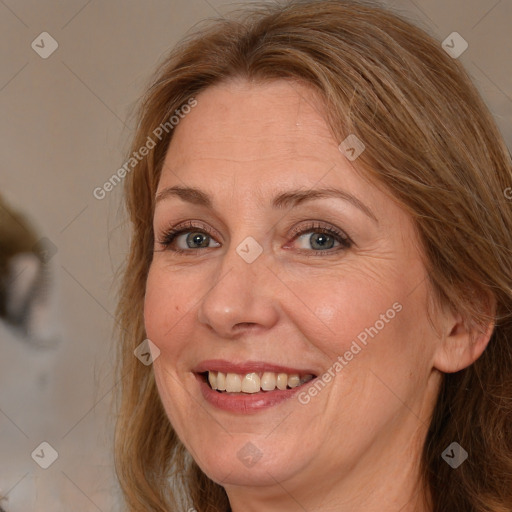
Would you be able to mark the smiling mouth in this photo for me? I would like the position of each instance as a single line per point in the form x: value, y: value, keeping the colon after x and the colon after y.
x: 254, y: 382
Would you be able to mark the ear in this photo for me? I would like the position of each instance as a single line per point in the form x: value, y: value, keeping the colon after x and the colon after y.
x: 463, y: 342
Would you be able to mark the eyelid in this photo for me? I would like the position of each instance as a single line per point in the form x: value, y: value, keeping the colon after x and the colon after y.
x: 190, y: 225
x: 317, y: 225
x: 169, y: 236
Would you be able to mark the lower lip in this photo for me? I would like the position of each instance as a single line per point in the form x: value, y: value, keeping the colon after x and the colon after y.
x: 246, y: 403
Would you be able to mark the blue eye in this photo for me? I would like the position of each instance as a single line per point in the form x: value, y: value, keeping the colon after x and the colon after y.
x: 197, y: 236
x: 321, y: 238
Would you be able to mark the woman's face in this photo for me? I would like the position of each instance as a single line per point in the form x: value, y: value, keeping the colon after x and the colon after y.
x: 261, y: 289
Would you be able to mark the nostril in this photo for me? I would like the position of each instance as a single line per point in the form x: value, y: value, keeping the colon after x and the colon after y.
x: 245, y: 325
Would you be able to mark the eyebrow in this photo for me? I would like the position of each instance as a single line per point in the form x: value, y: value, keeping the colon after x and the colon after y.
x: 285, y: 199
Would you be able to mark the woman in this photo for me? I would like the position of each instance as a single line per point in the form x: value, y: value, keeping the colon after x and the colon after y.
x: 320, y: 270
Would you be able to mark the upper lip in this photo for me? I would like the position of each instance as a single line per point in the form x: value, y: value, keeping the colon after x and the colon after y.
x: 220, y: 365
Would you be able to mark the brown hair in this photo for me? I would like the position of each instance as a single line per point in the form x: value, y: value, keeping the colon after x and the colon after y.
x: 431, y: 142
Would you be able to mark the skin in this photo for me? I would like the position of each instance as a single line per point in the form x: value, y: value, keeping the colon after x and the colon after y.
x: 356, y: 445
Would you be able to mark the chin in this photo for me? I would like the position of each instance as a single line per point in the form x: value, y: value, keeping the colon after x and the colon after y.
x: 248, y: 460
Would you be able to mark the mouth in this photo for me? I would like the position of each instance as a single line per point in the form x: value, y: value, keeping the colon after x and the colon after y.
x: 253, y: 382
x: 251, y: 386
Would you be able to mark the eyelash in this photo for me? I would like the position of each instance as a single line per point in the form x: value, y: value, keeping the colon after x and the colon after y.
x: 346, y: 243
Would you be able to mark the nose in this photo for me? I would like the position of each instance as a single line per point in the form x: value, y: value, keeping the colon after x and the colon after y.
x: 241, y: 296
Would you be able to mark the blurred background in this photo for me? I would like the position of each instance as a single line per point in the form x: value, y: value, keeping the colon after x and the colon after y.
x: 71, y: 74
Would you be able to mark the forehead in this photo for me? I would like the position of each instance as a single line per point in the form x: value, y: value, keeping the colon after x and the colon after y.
x: 246, y: 145
x: 244, y: 122
x: 254, y: 138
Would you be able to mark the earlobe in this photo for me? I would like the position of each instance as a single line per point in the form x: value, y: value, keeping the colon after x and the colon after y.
x: 462, y: 344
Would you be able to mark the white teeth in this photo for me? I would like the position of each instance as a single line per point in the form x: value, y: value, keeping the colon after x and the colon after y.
x: 212, y: 379
x: 293, y: 380
x: 251, y: 383
x: 254, y: 382
x: 233, y: 383
x: 282, y: 381
x: 221, y: 381
x: 268, y: 381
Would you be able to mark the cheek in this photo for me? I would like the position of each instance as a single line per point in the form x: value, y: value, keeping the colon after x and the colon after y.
x: 335, y: 314
x: 170, y: 312
x: 163, y: 307
x: 368, y: 317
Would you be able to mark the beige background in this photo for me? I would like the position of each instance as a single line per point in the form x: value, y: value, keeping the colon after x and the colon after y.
x: 63, y: 133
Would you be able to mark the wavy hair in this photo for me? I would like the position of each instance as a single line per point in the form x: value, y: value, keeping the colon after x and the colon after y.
x: 430, y: 141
